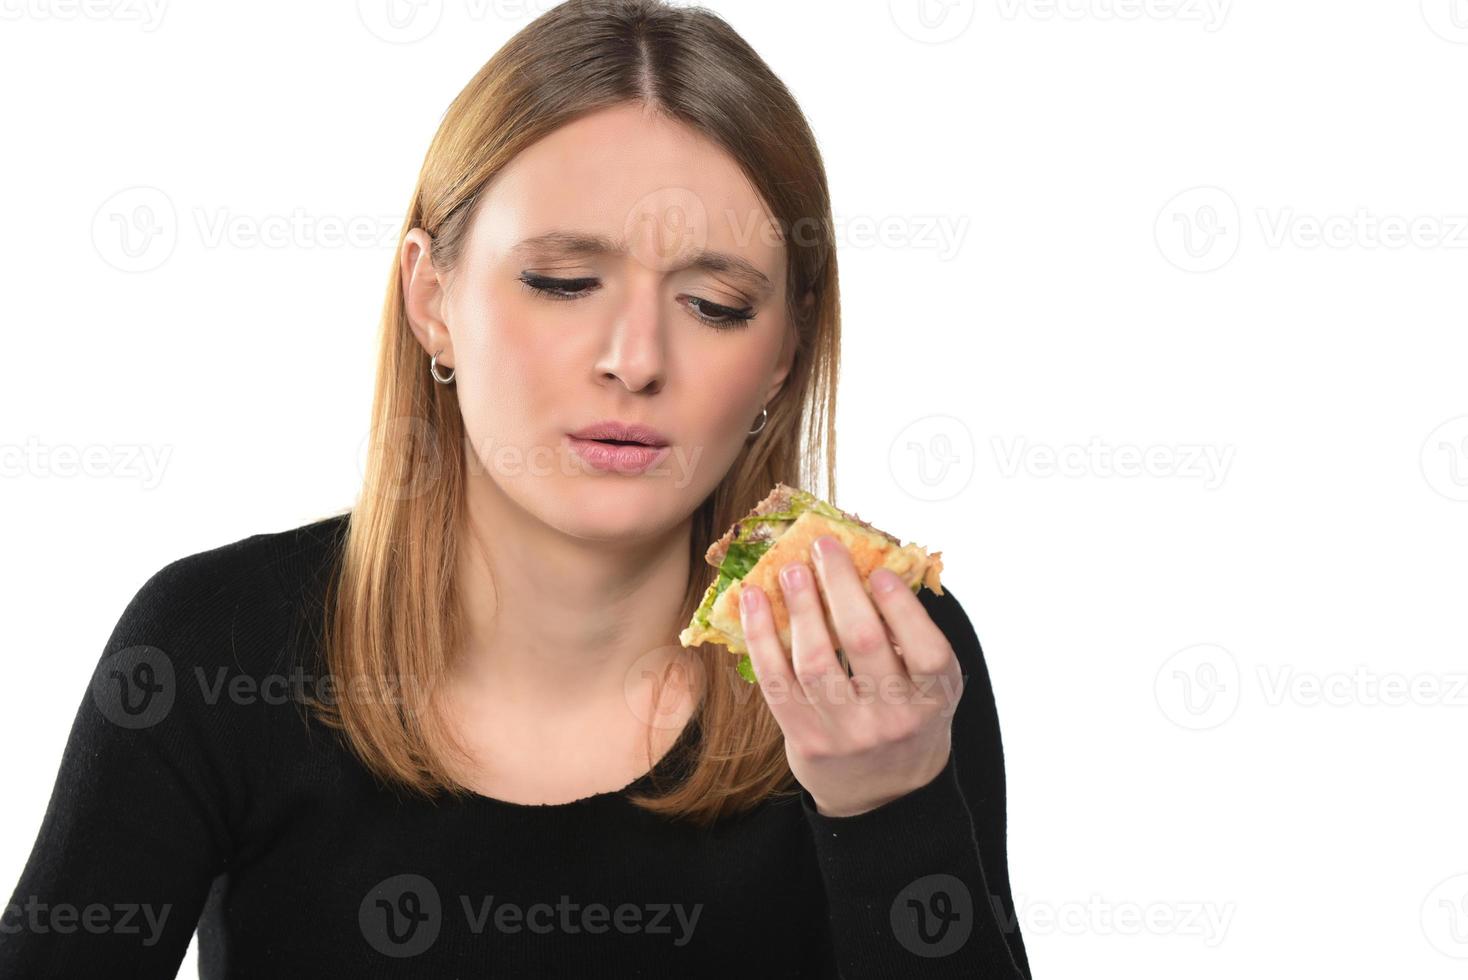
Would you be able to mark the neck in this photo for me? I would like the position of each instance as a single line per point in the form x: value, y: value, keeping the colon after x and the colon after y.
x: 558, y: 620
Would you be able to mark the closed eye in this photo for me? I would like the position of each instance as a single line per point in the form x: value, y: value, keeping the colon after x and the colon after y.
x: 716, y: 316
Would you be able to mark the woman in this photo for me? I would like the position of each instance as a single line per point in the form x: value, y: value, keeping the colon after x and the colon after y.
x: 451, y: 732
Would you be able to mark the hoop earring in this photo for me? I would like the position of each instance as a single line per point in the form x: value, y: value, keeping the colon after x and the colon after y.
x: 764, y: 416
x: 433, y: 370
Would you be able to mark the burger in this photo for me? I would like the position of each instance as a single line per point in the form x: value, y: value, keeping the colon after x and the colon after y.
x: 781, y: 529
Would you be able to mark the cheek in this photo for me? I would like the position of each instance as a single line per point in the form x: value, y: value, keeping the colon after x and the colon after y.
x: 516, y: 380
x: 729, y: 391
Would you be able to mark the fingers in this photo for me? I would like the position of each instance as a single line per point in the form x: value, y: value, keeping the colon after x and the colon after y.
x: 926, y: 652
x: 771, y: 665
x: 812, y: 651
x: 861, y: 633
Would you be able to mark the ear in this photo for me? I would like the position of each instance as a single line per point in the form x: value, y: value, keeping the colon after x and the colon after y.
x: 787, y: 349
x: 423, y: 296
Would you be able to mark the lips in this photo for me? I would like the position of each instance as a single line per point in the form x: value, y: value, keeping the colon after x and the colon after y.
x: 617, y: 432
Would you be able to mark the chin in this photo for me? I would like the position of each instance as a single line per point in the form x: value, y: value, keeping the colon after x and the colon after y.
x: 610, y: 506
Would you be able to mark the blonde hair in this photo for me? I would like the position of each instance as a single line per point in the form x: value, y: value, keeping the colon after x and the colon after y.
x: 391, y: 620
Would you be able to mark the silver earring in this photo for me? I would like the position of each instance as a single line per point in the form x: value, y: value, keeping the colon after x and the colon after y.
x: 764, y: 416
x: 433, y: 370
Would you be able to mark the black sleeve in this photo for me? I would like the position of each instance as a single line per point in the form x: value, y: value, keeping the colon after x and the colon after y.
x: 139, y: 820
x: 920, y: 885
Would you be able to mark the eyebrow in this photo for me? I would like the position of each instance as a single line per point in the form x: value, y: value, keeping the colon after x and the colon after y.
x: 580, y: 243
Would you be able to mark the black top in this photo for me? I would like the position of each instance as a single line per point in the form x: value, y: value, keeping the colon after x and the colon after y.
x: 194, y: 791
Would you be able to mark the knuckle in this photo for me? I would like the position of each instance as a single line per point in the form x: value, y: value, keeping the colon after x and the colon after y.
x: 867, y: 638
x: 899, y: 729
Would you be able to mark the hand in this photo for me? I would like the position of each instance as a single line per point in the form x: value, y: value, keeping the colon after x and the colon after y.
x: 857, y: 743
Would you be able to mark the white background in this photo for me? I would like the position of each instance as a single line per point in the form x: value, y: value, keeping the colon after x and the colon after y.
x: 1231, y: 684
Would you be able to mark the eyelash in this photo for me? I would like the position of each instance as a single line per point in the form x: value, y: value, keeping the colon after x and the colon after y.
x: 726, y: 318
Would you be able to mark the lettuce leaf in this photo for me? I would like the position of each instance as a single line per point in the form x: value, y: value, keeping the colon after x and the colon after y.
x: 743, y: 555
x: 746, y: 669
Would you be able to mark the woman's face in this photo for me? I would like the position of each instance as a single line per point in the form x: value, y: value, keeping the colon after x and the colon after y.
x: 647, y: 329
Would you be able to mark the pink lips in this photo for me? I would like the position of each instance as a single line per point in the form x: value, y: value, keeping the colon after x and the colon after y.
x: 645, y: 446
x: 619, y: 431
x: 623, y: 459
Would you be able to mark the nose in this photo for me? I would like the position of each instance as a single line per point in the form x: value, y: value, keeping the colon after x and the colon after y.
x: 633, y: 351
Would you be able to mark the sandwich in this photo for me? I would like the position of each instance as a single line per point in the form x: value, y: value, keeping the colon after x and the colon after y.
x: 779, y: 530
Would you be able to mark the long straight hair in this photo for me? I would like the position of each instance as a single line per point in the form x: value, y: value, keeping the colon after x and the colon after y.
x: 392, y: 619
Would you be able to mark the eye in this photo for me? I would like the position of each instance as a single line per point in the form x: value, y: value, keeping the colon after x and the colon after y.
x: 716, y: 316
x: 720, y: 317
x: 557, y: 288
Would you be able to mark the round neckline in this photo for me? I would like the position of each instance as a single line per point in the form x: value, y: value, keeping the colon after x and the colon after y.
x: 663, y: 767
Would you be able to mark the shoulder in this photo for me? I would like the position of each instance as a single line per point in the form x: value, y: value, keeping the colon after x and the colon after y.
x: 227, y: 599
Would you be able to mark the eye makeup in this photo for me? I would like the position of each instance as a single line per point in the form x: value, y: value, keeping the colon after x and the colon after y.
x: 717, y: 316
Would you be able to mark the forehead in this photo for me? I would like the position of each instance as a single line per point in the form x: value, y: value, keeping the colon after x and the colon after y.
x: 649, y: 184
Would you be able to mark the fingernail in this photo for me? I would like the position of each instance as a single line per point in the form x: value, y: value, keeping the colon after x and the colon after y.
x: 749, y: 598
x: 792, y: 576
x: 821, y: 547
